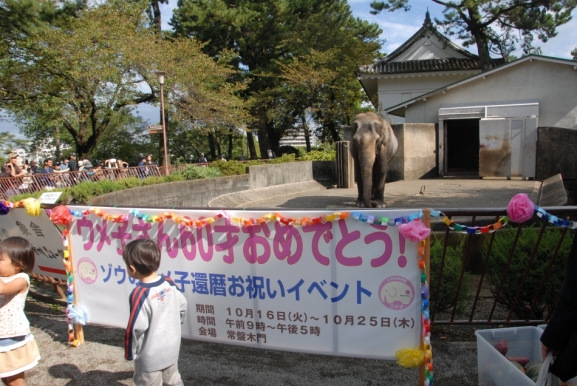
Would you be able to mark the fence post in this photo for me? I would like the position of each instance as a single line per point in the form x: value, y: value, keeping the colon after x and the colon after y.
x: 345, y: 166
x: 78, y: 329
x: 427, y: 222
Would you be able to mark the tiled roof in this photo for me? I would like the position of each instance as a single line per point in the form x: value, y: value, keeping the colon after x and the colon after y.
x: 430, y: 65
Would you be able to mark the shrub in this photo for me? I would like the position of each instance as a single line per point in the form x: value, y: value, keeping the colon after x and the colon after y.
x: 191, y: 172
x: 525, y: 244
x: 230, y: 168
x: 282, y: 159
x: 288, y: 150
x: 316, y: 155
x: 445, y: 298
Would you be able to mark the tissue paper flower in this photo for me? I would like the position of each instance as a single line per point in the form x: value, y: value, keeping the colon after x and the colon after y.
x: 520, y: 208
x: 60, y: 215
x: 3, y: 208
x: 410, y: 357
x: 415, y: 231
x: 32, y: 206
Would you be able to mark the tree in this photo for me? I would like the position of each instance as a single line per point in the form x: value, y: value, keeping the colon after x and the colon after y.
x: 496, y: 27
x: 574, y: 53
x: 322, y: 83
x: 264, y: 35
x: 85, y: 71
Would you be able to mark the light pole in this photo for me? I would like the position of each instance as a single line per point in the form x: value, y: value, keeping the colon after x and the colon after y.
x: 160, y: 75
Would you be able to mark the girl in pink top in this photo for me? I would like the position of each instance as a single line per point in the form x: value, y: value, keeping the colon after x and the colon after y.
x: 18, y: 349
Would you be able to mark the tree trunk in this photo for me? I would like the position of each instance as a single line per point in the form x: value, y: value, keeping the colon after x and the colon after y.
x: 335, y: 136
x: 156, y: 16
x: 229, y: 153
x: 250, y: 143
x: 57, y: 144
x: 307, y: 133
x: 211, y: 146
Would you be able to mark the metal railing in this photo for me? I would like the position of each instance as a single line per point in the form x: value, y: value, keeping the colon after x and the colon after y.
x: 13, y: 186
x: 496, y: 300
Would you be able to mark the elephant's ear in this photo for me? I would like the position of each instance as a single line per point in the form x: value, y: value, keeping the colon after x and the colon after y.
x: 354, y: 127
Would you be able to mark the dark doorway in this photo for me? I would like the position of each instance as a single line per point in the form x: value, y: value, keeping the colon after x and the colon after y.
x: 463, y: 147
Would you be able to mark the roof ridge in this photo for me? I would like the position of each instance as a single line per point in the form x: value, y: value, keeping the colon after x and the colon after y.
x: 427, y: 27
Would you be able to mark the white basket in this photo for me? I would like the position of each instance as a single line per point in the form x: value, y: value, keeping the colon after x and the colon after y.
x: 496, y: 370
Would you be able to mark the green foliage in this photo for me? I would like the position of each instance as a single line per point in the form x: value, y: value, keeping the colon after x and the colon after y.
x: 523, y: 250
x: 319, y: 155
x: 282, y: 159
x: 453, y: 264
x: 288, y: 150
x: 191, y: 172
x: 231, y: 168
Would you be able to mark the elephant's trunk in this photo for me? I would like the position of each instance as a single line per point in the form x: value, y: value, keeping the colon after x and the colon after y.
x: 367, y: 161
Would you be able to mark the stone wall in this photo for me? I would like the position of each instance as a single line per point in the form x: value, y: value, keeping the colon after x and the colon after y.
x: 182, y: 194
x: 198, y: 193
x: 556, y: 153
x: 262, y: 176
x: 416, y: 157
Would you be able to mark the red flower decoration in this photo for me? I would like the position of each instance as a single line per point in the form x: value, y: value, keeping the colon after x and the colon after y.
x: 61, y: 215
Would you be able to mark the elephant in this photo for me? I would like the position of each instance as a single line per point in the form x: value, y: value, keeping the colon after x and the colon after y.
x: 373, y: 146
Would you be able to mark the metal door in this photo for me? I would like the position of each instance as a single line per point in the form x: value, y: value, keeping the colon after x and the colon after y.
x: 494, y: 148
x: 530, y: 148
x: 517, y: 147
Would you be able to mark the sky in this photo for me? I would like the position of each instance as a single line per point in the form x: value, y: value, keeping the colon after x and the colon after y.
x: 397, y: 27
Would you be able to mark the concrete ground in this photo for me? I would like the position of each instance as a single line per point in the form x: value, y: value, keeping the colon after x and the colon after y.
x: 100, y: 361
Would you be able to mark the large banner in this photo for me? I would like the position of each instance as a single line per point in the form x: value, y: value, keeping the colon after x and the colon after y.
x: 44, y: 236
x: 339, y: 287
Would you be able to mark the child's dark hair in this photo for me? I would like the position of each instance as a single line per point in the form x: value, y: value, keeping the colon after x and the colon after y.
x: 143, y: 255
x: 20, y: 251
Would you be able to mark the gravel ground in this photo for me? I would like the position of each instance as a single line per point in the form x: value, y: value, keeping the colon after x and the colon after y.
x: 100, y: 361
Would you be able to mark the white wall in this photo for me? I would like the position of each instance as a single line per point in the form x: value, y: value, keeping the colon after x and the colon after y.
x: 401, y: 88
x: 553, y: 84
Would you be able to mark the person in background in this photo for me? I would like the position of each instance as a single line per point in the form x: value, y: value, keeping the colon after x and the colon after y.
x: 202, y: 159
x: 149, y: 160
x: 270, y: 154
x: 222, y: 158
x: 33, y: 167
x: 64, y: 165
x: 560, y: 335
x: 142, y: 169
x: 12, y: 167
x: 73, y: 164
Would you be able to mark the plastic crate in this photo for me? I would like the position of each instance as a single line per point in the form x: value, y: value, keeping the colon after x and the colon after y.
x: 496, y: 370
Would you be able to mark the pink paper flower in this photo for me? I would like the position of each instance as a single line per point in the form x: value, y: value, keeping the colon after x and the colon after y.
x: 520, y: 208
x: 415, y: 231
x: 61, y: 215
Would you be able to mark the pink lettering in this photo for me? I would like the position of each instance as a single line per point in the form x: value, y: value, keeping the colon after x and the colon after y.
x: 388, y: 250
x: 205, y: 254
x: 121, y: 235
x: 230, y: 242
x: 103, y: 237
x: 164, y: 239
x: 142, y: 226
x: 85, y: 223
x: 283, y: 240
x: 346, y: 240
x: 187, y: 243
x: 250, y: 247
x: 320, y: 230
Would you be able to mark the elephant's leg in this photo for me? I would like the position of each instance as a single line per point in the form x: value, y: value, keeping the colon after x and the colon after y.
x: 359, y: 181
x: 378, y: 193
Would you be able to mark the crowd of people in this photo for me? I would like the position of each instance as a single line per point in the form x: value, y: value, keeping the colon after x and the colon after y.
x: 70, y: 171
